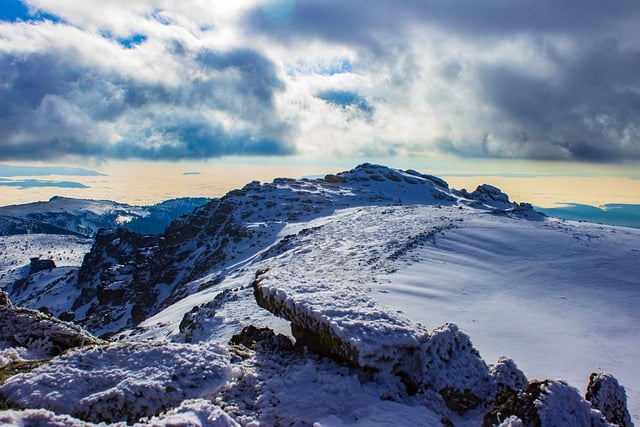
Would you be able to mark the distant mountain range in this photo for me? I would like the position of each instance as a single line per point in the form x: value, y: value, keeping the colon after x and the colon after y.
x: 63, y: 215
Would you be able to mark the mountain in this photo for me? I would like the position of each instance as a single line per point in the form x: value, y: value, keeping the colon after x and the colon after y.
x: 63, y: 215
x: 331, y: 302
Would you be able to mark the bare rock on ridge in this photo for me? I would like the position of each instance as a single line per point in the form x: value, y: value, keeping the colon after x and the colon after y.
x: 35, y: 330
x: 354, y: 330
x: 607, y: 395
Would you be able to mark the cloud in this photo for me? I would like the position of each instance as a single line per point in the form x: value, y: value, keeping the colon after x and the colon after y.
x: 30, y: 183
x: 62, y: 99
x: 159, y: 79
x: 9, y: 170
x: 527, y: 79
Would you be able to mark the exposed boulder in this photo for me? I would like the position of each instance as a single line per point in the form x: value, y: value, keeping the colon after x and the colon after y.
x: 121, y: 382
x: 545, y: 403
x: 607, y: 395
x: 454, y: 368
x: 261, y: 339
x: 354, y: 331
x: 39, y: 332
x: 507, y: 376
x: 36, y: 264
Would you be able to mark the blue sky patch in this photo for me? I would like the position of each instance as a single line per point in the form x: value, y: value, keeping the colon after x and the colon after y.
x: 16, y: 11
x: 346, y: 98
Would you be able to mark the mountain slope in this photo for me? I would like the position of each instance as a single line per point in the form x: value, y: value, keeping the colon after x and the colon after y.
x: 353, y: 262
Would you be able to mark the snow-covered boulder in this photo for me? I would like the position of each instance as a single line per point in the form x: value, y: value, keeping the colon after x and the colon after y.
x: 507, y: 376
x: 191, y: 413
x: 607, y: 395
x: 547, y: 403
x: 453, y: 367
x: 344, y: 326
x: 39, y: 333
x: 121, y: 382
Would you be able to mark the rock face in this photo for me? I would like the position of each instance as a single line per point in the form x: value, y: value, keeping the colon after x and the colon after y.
x: 609, y: 397
x: 127, y: 277
x: 39, y: 332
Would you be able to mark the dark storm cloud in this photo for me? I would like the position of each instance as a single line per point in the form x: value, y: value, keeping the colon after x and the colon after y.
x: 358, y: 21
x: 52, y: 106
x: 587, y: 109
x: 591, y: 112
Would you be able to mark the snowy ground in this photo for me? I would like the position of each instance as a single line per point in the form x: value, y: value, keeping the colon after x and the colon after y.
x: 560, y: 307
x: 557, y: 297
x: 15, y: 252
x: 560, y: 298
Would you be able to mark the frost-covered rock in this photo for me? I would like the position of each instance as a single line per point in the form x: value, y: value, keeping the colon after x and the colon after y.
x: 507, y: 376
x: 607, y: 395
x: 355, y: 331
x: 545, y: 403
x: 192, y: 413
x: 121, y: 382
x: 453, y: 367
x: 43, y: 335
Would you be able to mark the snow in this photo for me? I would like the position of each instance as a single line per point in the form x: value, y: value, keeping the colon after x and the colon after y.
x: 121, y: 382
x: 16, y: 251
x: 559, y: 298
x: 191, y: 413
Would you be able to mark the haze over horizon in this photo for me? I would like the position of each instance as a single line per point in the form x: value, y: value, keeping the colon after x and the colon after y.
x: 524, y: 90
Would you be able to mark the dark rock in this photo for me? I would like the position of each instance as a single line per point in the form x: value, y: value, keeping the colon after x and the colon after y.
x: 67, y: 316
x: 262, y: 339
x: 38, y: 264
x: 609, y: 397
x: 4, y: 299
x: 545, y: 403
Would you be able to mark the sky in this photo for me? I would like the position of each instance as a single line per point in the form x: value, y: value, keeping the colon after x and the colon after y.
x: 457, y: 86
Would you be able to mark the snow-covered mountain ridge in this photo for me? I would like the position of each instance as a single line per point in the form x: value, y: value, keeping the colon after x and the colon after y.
x: 64, y: 215
x: 367, y: 266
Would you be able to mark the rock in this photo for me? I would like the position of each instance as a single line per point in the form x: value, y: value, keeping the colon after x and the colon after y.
x: 67, y: 316
x: 261, y: 339
x: 607, y: 395
x: 454, y: 368
x: 4, y: 299
x: 38, y: 264
x: 121, y: 381
x: 545, y: 403
x: 507, y: 376
x: 37, y: 331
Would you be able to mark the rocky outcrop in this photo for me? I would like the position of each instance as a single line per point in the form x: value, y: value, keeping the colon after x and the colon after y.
x: 360, y: 335
x: 114, y: 280
x: 609, y: 397
x: 262, y: 339
x: 122, y: 381
x: 36, y: 264
x: 38, y: 332
x: 545, y: 403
